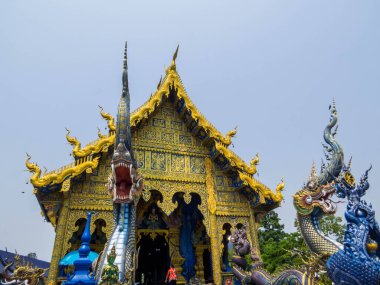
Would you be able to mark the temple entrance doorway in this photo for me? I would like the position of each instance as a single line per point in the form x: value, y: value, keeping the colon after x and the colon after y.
x: 178, y: 238
x: 152, y: 244
x: 153, y: 259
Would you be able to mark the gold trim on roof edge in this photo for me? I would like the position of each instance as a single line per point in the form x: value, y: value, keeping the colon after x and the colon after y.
x: 57, y: 178
x: 173, y: 80
x: 264, y: 190
x: 104, y: 141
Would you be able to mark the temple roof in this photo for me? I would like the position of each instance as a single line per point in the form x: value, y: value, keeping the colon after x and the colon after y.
x: 7, y: 257
x: 171, y: 88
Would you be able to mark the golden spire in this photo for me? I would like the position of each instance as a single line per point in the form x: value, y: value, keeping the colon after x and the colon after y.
x: 313, y: 173
x: 173, y: 66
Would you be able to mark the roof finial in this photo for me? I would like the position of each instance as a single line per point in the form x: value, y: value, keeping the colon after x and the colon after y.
x: 175, y: 55
x: 173, y: 66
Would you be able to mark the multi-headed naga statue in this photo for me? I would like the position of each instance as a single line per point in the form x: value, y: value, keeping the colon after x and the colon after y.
x: 311, y: 202
x: 125, y: 186
x: 358, y: 263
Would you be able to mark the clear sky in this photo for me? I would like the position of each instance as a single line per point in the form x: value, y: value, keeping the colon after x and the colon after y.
x: 270, y: 67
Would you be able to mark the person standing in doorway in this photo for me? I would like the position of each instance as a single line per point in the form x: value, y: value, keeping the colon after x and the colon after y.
x: 171, y: 276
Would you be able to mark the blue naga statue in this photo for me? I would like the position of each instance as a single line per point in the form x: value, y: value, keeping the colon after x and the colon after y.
x: 359, y: 260
x: 311, y: 202
x: 125, y: 186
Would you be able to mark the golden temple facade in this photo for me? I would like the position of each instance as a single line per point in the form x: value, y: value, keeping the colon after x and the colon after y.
x: 184, y: 159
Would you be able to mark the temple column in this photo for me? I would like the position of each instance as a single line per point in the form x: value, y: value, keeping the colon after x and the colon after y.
x: 176, y: 258
x: 215, y: 251
x: 199, y: 249
x: 211, y: 201
x: 58, y: 243
x: 253, y: 229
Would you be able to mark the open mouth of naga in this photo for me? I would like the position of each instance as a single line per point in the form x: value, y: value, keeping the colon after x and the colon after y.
x: 123, y: 182
x: 323, y: 198
x: 122, y: 175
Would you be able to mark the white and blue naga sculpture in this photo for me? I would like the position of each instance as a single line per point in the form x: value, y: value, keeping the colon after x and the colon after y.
x: 312, y: 202
x: 359, y: 261
x: 125, y: 186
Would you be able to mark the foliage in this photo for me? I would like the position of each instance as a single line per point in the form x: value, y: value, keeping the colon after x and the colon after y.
x: 333, y: 227
x: 277, y: 247
x: 32, y: 255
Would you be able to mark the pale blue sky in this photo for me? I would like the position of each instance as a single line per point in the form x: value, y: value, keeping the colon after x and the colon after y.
x: 270, y: 67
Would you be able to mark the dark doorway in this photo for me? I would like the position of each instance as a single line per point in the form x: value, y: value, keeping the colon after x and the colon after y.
x: 207, y: 266
x: 153, y: 260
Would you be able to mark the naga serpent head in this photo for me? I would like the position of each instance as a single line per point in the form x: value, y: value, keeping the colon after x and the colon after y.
x: 313, y: 197
x: 124, y: 183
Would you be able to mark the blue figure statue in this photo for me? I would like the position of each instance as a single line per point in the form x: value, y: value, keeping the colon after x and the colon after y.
x: 358, y: 262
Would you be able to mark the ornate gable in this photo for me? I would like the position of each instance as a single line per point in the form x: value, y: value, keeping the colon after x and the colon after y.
x: 171, y: 140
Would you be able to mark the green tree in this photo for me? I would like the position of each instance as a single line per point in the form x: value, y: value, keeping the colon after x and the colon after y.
x: 32, y: 255
x: 277, y: 247
x: 333, y: 227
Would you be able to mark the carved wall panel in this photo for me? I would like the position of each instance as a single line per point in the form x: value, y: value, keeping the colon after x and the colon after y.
x: 75, y: 215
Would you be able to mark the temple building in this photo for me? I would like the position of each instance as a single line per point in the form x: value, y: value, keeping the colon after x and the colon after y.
x: 195, y: 191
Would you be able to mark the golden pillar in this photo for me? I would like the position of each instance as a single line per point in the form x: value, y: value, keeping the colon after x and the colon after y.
x: 176, y: 258
x: 211, y: 201
x: 58, y: 243
x: 254, y: 226
x: 199, y: 249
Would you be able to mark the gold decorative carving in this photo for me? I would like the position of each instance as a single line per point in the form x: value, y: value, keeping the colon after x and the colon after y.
x: 109, y: 118
x: 215, y: 250
x: 152, y: 234
x: 66, y: 185
x: 57, y: 178
x: 262, y: 189
x: 211, y: 201
x: 146, y: 195
x: 58, y: 243
x: 172, y: 178
x: 187, y: 198
x: 232, y: 221
x: 103, y: 142
x: 174, y: 149
x: 169, y: 188
x: 172, y: 81
x: 176, y: 258
x: 167, y: 206
x: 75, y: 215
x: 253, y: 227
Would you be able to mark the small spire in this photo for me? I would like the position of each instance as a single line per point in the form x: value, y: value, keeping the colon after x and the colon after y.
x: 349, y: 164
x: 172, y: 65
x: 175, y: 55
x: 313, y: 170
